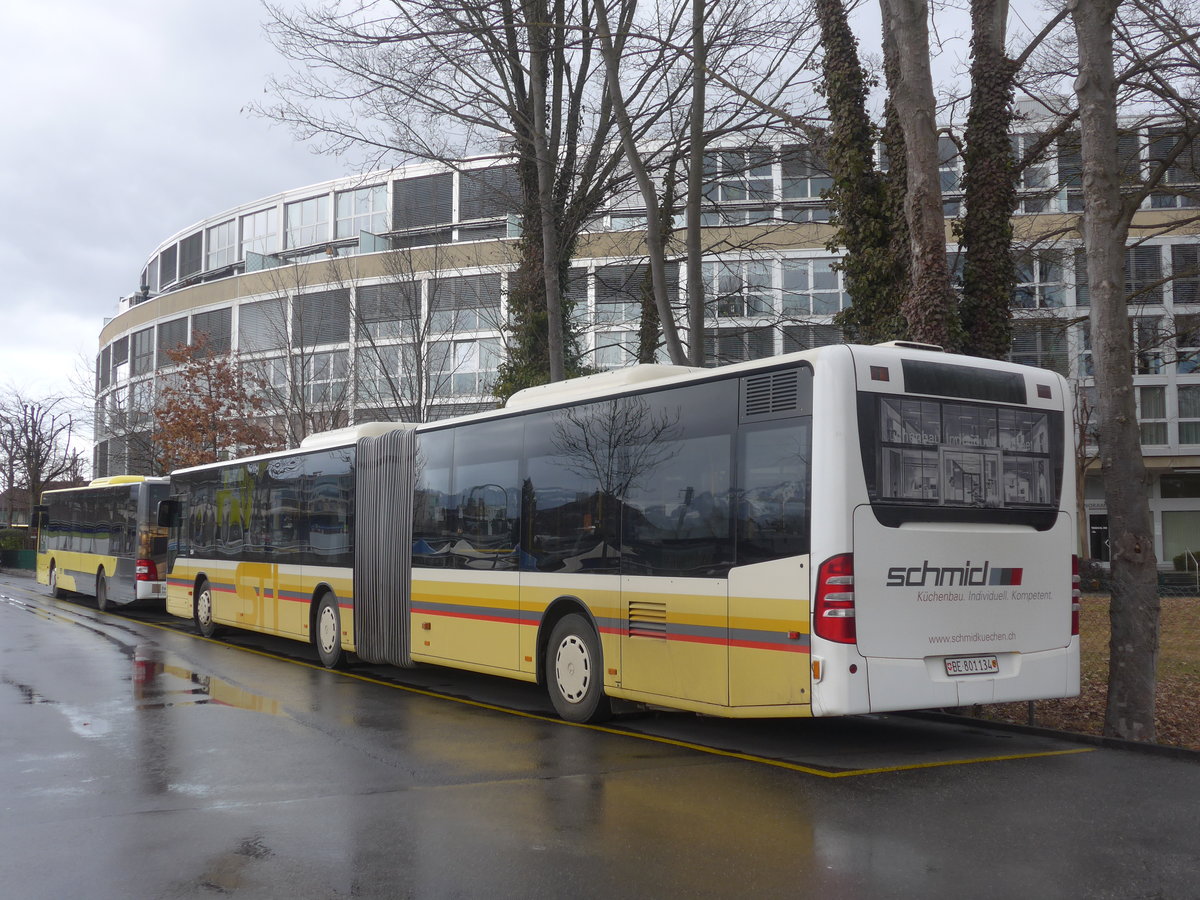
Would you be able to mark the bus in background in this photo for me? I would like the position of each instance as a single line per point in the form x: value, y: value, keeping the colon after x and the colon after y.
x: 849, y: 529
x: 104, y: 540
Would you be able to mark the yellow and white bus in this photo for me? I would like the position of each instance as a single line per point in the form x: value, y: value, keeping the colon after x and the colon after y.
x: 104, y: 540
x: 844, y: 530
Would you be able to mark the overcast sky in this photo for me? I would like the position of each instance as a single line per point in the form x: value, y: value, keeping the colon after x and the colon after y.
x: 124, y: 124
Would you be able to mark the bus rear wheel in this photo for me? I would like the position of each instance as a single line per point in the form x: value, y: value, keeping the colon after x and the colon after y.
x: 574, y: 674
x: 202, y: 609
x: 327, y: 632
x: 102, y: 603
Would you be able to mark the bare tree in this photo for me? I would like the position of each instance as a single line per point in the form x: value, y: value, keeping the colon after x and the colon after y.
x: 36, y: 436
x: 417, y: 348
x: 292, y: 343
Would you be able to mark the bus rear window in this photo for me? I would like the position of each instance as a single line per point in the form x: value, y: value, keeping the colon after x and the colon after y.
x: 949, y: 460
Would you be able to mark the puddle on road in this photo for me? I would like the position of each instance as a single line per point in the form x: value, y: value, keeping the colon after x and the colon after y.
x: 160, y: 681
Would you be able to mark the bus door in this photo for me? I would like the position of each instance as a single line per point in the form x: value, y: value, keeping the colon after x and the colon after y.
x: 677, y: 541
x: 769, y: 589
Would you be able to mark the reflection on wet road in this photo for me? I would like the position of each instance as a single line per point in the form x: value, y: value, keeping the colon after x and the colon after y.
x: 143, y: 761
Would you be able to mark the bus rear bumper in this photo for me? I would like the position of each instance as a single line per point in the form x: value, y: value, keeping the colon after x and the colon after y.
x: 150, y: 590
x: 896, y: 684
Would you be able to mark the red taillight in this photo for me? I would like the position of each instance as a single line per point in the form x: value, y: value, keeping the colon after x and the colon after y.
x: 833, y: 611
x: 146, y: 570
x: 1075, y: 595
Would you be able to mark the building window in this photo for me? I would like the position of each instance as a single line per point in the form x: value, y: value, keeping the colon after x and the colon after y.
x: 191, y: 254
x: 1187, y: 344
x: 1070, y: 171
x: 1035, y: 183
x: 171, y: 336
x: 464, y: 367
x: 805, y: 175
x: 217, y: 326
x: 739, y: 175
x: 738, y: 289
x: 619, y: 291
x: 142, y: 357
x: 1040, y: 281
x: 1144, y: 275
x: 1189, y: 413
x: 1042, y: 344
x: 808, y: 337
x: 950, y: 175
x: 168, y: 265
x: 321, y: 317
x: 1148, y: 339
x: 323, y: 376
x: 1152, y: 414
x: 465, y: 303
x: 222, y: 245
x: 1185, y: 272
x: 730, y: 345
x: 1183, y: 170
x: 615, y: 349
x: 812, y: 287
x: 263, y: 325
x: 306, y: 222
x: 389, y: 311
x: 260, y: 232
x: 363, y: 209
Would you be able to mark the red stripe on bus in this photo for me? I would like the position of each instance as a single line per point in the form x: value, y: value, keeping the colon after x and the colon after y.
x: 508, y: 620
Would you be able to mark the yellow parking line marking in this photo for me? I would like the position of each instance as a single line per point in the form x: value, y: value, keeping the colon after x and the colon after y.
x: 671, y: 742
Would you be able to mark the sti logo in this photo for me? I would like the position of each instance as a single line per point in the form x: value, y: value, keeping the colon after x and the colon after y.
x: 966, y: 575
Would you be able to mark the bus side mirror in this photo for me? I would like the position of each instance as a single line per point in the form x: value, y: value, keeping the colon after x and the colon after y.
x: 41, y: 516
x: 169, y: 513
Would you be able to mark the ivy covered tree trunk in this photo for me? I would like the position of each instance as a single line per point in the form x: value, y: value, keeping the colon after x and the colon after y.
x: 1134, y: 610
x: 858, y: 196
x: 989, y: 188
x: 930, y: 309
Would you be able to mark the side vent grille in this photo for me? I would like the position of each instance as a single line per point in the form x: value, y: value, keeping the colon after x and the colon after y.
x: 647, y: 618
x: 773, y: 395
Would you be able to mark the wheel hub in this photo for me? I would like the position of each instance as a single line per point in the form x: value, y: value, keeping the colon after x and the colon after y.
x: 572, y: 669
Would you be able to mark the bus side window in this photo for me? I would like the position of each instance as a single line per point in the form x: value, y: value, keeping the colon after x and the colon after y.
x: 774, y: 484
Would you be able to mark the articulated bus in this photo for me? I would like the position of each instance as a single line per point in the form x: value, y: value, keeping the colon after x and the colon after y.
x: 844, y: 530
x: 104, y: 540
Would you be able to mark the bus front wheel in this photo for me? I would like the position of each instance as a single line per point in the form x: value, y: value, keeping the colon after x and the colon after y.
x: 202, y: 609
x: 327, y: 633
x: 55, y: 591
x: 102, y: 603
x: 574, y: 677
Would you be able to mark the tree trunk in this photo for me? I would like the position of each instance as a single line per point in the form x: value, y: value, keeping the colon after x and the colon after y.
x: 930, y: 306
x: 989, y: 188
x: 655, y: 250
x: 1133, y: 649
x: 536, y: 22
x: 695, y: 189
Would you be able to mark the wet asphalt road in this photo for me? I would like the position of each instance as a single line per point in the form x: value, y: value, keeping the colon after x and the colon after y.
x: 141, y: 761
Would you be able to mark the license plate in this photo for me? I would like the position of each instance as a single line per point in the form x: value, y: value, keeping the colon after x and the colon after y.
x: 972, y: 665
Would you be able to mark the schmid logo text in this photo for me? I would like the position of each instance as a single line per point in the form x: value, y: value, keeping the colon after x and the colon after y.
x: 928, y: 575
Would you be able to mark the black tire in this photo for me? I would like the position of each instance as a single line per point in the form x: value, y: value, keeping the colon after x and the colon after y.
x: 202, y: 609
x: 55, y: 591
x: 102, y: 603
x: 327, y: 632
x: 575, y: 671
